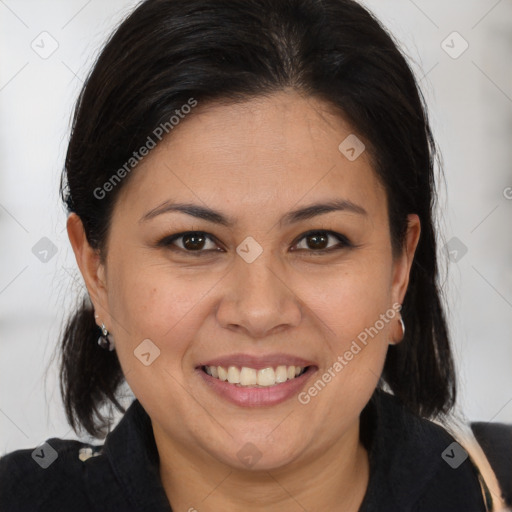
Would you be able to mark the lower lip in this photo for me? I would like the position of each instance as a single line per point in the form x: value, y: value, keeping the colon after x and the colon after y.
x: 257, y: 397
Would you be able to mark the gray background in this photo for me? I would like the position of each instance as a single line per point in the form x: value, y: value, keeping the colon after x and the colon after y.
x: 470, y: 100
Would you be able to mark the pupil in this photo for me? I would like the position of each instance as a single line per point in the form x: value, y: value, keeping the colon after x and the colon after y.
x: 193, y: 241
x: 318, y: 241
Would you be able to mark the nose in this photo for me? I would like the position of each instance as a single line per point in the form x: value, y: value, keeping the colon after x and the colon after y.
x: 257, y: 300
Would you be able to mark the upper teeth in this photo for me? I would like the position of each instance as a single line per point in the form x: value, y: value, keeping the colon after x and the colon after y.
x: 252, y: 377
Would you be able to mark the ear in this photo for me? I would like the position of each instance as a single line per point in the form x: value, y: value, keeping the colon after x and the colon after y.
x: 402, y: 265
x: 93, y: 271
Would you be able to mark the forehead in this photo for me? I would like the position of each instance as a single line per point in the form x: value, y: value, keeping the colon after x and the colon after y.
x: 263, y: 153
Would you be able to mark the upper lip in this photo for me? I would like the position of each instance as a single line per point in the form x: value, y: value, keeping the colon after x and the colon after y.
x: 257, y: 362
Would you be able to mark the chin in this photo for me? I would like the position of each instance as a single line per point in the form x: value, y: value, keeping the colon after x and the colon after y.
x: 258, y: 455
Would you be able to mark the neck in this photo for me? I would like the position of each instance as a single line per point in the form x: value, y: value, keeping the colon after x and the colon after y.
x: 334, y: 479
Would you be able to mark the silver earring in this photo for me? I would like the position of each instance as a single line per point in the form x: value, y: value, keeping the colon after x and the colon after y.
x: 403, y: 331
x: 403, y: 326
x: 105, y: 340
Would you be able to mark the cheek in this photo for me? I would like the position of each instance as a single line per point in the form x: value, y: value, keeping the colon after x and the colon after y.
x: 355, y: 314
x: 160, y: 303
x: 350, y: 298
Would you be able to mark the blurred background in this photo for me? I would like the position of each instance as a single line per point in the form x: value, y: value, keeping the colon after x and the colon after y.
x: 462, y: 55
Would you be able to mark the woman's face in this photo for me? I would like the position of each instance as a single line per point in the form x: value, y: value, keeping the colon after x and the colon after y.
x: 274, y: 282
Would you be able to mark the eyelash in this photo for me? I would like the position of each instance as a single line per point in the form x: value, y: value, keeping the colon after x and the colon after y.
x: 168, y: 242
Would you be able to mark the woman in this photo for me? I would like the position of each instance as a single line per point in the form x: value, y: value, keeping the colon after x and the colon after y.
x: 250, y: 186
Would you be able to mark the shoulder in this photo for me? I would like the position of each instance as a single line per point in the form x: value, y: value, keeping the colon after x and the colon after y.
x: 454, y: 479
x: 421, y: 465
x: 51, y: 475
x: 495, y: 440
x: 69, y: 475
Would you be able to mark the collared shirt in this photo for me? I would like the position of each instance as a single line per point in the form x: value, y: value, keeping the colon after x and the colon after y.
x: 414, y: 467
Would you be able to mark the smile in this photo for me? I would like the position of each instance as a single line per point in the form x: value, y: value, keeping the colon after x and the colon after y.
x: 252, y: 377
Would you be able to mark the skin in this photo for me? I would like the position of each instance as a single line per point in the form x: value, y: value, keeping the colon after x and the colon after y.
x: 253, y: 162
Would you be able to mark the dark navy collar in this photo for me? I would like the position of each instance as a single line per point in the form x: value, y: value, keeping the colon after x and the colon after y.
x: 133, y: 457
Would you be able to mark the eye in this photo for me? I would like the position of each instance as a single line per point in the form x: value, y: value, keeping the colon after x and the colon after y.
x: 190, y: 241
x: 318, y: 241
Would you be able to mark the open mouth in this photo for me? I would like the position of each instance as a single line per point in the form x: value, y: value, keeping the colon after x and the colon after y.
x: 256, y: 378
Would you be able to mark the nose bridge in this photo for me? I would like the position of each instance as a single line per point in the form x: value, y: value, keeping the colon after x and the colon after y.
x: 260, y: 279
x: 258, y: 284
x: 259, y: 300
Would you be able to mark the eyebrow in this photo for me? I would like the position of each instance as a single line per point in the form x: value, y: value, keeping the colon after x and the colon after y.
x: 217, y: 217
